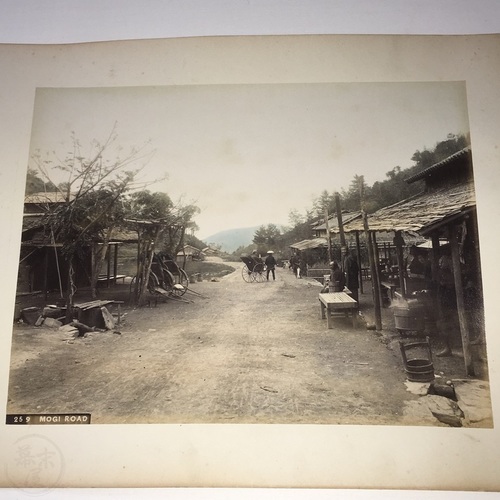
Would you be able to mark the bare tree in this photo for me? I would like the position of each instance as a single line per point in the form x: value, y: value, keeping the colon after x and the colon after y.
x: 91, y: 195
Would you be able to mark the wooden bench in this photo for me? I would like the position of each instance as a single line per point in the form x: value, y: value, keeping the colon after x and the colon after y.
x: 337, y: 302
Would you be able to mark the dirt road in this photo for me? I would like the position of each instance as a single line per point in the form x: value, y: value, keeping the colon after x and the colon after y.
x: 247, y: 353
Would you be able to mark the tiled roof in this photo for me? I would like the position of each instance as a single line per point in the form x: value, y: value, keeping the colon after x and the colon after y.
x: 49, y: 197
x: 451, y: 159
x: 421, y: 212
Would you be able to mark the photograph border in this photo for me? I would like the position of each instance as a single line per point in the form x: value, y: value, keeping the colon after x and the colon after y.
x: 261, y: 455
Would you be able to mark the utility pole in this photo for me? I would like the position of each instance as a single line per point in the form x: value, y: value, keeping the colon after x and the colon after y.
x: 373, y: 263
x: 341, y: 230
x: 328, y: 239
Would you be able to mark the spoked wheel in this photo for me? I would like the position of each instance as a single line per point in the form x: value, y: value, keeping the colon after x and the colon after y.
x: 182, y: 283
x: 168, y: 283
x: 153, y: 282
x: 259, y: 273
x: 246, y: 274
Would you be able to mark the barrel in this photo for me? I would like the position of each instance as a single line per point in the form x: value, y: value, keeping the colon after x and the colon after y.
x: 409, y: 318
x: 418, y: 369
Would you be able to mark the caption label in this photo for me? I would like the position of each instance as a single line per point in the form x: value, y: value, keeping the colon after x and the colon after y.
x: 48, y: 419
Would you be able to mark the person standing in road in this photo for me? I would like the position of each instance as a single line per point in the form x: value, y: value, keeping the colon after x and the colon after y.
x: 294, y: 263
x: 270, y: 264
x: 337, y: 278
x: 351, y: 270
x: 302, y: 268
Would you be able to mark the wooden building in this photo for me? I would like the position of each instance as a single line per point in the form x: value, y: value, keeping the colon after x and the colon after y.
x: 444, y: 210
x: 42, y: 265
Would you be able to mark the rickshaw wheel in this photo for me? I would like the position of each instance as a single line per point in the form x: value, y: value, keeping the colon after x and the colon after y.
x: 246, y: 274
x: 181, y: 287
x: 259, y: 273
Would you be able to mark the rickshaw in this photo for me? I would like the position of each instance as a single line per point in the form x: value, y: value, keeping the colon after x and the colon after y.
x: 253, y: 270
x: 166, y: 275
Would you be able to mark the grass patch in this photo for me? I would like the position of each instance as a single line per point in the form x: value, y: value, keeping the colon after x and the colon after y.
x: 208, y: 269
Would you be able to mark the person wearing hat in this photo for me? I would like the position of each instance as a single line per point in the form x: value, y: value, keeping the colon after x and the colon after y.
x: 256, y: 257
x: 270, y: 264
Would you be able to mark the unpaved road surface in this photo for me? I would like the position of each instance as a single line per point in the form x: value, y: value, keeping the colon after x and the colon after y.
x: 245, y: 353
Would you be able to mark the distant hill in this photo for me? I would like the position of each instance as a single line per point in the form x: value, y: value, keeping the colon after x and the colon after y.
x: 231, y: 239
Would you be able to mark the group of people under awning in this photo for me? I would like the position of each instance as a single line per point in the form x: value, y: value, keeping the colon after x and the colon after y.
x: 344, y: 275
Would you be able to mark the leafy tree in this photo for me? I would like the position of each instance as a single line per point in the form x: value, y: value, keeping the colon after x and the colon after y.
x: 325, y: 202
x: 382, y: 193
x: 181, y: 220
x: 351, y: 199
x: 34, y: 184
x: 192, y: 240
x: 426, y: 158
x: 301, y: 230
x: 394, y: 187
x: 267, y: 236
x: 161, y: 226
x: 149, y: 214
x: 295, y: 218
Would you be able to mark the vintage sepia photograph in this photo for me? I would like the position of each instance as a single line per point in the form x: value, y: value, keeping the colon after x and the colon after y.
x: 280, y: 253
x: 250, y: 262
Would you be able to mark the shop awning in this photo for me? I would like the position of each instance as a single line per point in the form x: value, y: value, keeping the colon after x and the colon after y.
x: 310, y: 244
x: 421, y: 213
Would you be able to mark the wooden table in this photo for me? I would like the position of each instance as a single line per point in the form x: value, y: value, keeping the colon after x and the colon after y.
x: 337, y: 302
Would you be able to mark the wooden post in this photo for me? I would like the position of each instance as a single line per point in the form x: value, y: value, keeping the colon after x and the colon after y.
x: 436, y: 289
x: 377, y: 265
x: 46, y: 273
x: 115, y: 263
x: 435, y: 260
x: 399, y: 242
x: 108, y: 253
x: 459, y: 292
x: 138, y: 276
x: 70, y: 291
x: 152, y: 246
x: 375, y: 283
x: 328, y: 239
x: 339, y: 219
x: 358, y: 251
x: 341, y: 230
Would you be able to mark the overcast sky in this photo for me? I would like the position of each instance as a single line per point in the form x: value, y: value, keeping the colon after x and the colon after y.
x: 249, y: 154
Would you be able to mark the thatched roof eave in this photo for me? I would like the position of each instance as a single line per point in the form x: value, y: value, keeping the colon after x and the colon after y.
x: 310, y: 244
x: 421, y: 213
